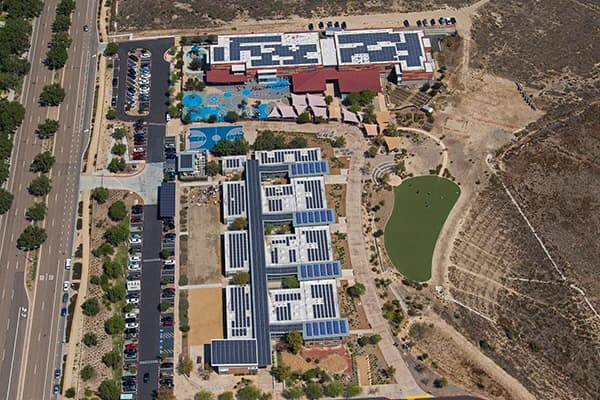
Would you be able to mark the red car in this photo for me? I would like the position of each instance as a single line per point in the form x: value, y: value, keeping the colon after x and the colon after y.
x: 168, y: 323
x: 131, y: 345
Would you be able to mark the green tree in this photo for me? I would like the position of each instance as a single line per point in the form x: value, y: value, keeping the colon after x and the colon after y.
x: 116, y: 293
x: 105, y: 249
x: 339, y: 141
x: 333, y: 389
x: 241, y: 278
x: 52, y: 95
x: 32, y: 238
x: 119, y: 149
x: 23, y: 8
x: 61, y: 23
x: 40, y: 186
x: 204, y: 395
x: 36, y: 212
x: 195, y: 64
x: 239, y: 224
x: 282, y: 372
x: 112, y: 359
x: 294, y: 341
x: 114, y: 324
x: 239, y: 147
x: 232, y: 117
x: 112, y: 268
x: 90, y: 339
x: 118, y: 133
x: 226, y: 396
x: 56, y: 58
x: 6, y: 199
x: 363, y: 341
x: 212, y: 168
x: 117, y: 211
x: 185, y: 366
x: 117, y: 164
x: 313, y: 391
x: 65, y: 7
x: 440, y: 382
x: 298, y: 142
x: 117, y: 234
x: 291, y: 282
x: 304, y: 117
x: 357, y: 290
x: 293, y: 393
x: 352, y: 390
x: 164, y: 305
x: 42, y: 162
x: 109, y: 390
x: 90, y: 307
x: 100, y: 194
x: 111, y: 49
x: 87, y: 372
x: 111, y: 114
x: 268, y: 140
x: 374, y: 339
x: 70, y: 393
x: 47, y: 129
x: 249, y: 392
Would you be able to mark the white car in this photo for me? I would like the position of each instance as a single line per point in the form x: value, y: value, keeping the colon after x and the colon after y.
x: 133, y: 267
x: 135, y: 300
x: 169, y: 262
x: 66, y: 286
x: 131, y: 315
x: 145, y: 55
x: 135, y: 240
x: 132, y: 325
x: 135, y: 259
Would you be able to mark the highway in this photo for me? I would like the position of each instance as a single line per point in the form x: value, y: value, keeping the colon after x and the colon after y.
x: 32, y: 347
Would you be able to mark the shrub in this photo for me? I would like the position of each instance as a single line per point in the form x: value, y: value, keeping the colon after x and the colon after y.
x: 117, y: 211
x: 111, y: 49
x: 118, y: 233
x: 241, y: 278
x: 90, y: 339
x: 109, y: 390
x: 47, y: 128
x: 70, y: 393
x: 117, y: 164
x: 105, y: 249
x: 90, y: 307
x: 111, y: 114
x: 114, y: 324
x: 87, y: 372
x: 119, y: 149
x: 100, y: 194
x: 357, y: 290
x: 118, y: 133
x: 112, y: 359
x: 164, y: 305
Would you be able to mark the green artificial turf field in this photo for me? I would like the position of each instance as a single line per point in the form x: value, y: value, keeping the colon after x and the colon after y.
x: 421, y: 206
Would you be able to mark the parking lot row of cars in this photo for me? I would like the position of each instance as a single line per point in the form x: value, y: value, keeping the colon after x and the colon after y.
x: 140, y: 137
x: 167, y: 319
x: 133, y: 297
x: 433, y: 22
x: 137, y: 94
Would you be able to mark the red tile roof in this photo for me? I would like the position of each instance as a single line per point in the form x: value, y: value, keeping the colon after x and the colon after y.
x: 348, y: 81
x: 224, y: 76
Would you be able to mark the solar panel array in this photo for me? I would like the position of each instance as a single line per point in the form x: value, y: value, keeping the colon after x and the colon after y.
x: 166, y: 200
x: 324, y: 270
x: 236, y: 250
x: 295, y: 296
x: 288, y: 156
x: 233, y: 352
x: 240, y: 323
x: 326, y: 308
x: 312, y: 168
x: 314, y: 193
x: 318, y: 241
x: 325, y: 329
x: 283, y: 313
x: 380, y: 47
x: 314, y: 217
x: 234, y: 198
x: 266, y: 51
x: 186, y: 162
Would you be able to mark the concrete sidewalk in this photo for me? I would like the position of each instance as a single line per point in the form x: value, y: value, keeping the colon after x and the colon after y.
x: 145, y: 183
x: 406, y: 385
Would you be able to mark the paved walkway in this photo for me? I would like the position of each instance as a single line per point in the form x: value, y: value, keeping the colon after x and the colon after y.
x: 406, y: 385
x: 144, y: 183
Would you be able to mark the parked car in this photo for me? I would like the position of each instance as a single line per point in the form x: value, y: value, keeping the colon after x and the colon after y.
x: 57, y: 373
x: 146, y: 377
x: 63, y: 312
x: 55, y: 389
x: 65, y: 297
x: 134, y: 267
x: 137, y: 209
x: 166, y: 365
x: 66, y: 286
x: 134, y: 300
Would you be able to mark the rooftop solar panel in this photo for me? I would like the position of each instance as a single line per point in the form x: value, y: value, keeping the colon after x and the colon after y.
x: 237, y: 352
x: 166, y: 200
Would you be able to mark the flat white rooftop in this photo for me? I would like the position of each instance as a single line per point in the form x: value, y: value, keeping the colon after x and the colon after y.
x: 314, y: 300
